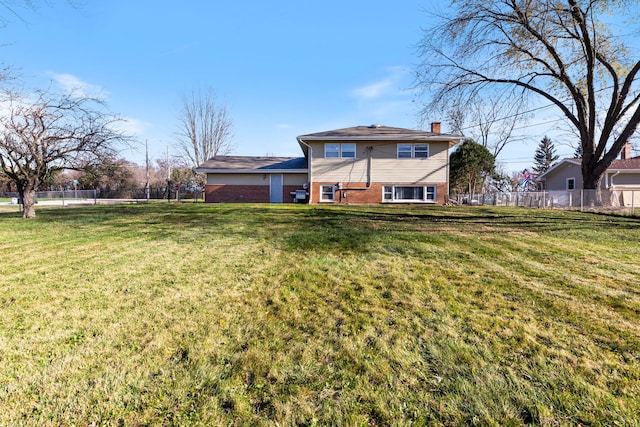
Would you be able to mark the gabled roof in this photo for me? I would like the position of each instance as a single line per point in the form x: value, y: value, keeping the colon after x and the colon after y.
x: 250, y: 164
x: 377, y: 132
x: 557, y: 165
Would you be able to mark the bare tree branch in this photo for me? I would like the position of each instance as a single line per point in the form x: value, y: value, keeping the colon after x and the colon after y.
x: 205, y: 128
x: 562, y: 51
x: 46, y: 132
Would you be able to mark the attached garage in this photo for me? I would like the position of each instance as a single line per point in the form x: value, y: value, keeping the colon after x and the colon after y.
x: 240, y: 179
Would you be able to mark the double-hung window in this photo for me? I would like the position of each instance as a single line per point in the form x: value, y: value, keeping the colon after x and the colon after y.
x: 340, y: 151
x: 327, y: 193
x: 413, y: 151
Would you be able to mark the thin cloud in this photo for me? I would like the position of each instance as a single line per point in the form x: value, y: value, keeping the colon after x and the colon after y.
x: 372, y: 91
x: 131, y: 126
x: 388, y: 86
x: 77, y: 87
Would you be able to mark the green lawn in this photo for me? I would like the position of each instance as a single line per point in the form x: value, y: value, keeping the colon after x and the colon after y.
x: 197, y: 314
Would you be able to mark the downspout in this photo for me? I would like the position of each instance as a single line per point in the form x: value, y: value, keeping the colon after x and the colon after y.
x: 369, y: 155
x: 613, y: 187
x: 310, y: 174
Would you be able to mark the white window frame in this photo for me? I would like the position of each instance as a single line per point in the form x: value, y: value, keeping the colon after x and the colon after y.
x: 421, y: 153
x: 429, y: 194
x: 323, y: 193
x: 332, y: 152
x: 343, y: 151
x: 572, y: 180
x: 404, y: 151
x: 344, y: 148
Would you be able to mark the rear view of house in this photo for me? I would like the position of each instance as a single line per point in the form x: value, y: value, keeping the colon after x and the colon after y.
x: 362, y: 164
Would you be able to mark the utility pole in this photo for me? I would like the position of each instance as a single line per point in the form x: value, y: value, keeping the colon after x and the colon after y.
x: 168, y: 177
x: 146, y: 187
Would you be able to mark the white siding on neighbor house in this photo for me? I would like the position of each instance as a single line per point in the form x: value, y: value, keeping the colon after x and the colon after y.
x: 385, y: 166
x: 626, y: 179
x: 557, y: 180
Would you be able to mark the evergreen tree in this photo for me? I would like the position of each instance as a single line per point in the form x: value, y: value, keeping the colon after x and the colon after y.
x: 545, y: 155
x: 578, y: 153
x: 470, y: 165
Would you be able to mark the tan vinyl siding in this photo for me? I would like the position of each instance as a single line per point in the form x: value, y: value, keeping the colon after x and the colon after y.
x: 237, y: 179
x: 295, y: 178
x: 254, y: 178
x: 385, y: 166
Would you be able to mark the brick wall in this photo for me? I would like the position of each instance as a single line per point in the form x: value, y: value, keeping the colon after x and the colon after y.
x: 357, y: 193
x: 236, y: 194
x: 245, y: 193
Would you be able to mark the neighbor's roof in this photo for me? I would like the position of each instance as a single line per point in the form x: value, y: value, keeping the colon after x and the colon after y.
x: 632, y: 164
x: 627, y: 164
x: 378, y: 132
x: 250, y: 164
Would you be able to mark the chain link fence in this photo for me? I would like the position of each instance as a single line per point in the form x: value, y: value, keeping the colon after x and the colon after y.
x: 620, y: 201
x: 123, y: 195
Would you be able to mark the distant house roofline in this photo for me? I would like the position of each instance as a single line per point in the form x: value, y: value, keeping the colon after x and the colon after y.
x: 618, y: 165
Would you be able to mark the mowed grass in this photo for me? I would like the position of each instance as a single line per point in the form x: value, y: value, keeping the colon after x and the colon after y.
x: 198, y: 314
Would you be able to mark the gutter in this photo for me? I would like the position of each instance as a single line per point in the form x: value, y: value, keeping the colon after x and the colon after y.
x: 310, y: 167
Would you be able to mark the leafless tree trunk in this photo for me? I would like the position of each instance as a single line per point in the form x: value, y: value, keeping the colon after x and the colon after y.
x: 205, y: 128
x: 43, y: 132
x: 562, y: 51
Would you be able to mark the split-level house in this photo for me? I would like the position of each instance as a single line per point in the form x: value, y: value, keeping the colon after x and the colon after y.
x: 362, y: 164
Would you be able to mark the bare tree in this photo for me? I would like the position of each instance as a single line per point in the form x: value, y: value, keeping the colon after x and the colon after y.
x: 488, y: 120
x: 205, y: 128
x: 562, y: 51
x: 51, y: 132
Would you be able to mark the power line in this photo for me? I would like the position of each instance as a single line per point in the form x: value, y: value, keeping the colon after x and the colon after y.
x: 533, y: 110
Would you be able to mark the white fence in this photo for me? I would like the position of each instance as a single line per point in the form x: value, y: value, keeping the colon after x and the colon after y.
x: 622, y: 201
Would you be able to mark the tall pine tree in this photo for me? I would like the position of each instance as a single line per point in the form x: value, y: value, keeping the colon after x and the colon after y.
x: 545, y: 156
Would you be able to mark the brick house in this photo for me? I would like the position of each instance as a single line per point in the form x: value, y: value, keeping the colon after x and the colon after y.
x: 362, y: 164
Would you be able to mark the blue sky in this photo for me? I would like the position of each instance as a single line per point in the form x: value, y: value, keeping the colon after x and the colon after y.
x: 284, y: 68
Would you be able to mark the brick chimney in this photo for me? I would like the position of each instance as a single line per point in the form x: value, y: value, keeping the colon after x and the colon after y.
x: 625, y: 153
x: 435, y: 127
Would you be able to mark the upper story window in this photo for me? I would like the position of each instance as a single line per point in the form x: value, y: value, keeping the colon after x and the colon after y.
x: 420, y: 150
x: 336, y: 151
x: 413, y: 151
x: 331, y: 150
x: 404, y: 151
